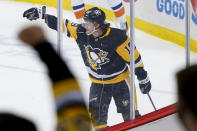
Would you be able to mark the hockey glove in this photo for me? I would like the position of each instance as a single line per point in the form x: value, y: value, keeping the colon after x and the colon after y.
x: 35, y: 13
x: 144, y: 81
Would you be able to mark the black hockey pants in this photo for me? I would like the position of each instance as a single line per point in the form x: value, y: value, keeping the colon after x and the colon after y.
x: 100, y: 98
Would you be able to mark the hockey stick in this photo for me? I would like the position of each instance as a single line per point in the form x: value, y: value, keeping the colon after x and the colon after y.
x: 151, y: 101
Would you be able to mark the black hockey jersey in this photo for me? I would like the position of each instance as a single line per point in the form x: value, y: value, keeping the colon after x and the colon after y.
x: 107, y: 57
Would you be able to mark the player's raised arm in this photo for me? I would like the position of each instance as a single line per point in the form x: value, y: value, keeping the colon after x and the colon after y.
x: 35, y: 13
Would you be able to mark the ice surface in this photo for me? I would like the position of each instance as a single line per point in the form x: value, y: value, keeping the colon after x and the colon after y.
x: 24, y: 85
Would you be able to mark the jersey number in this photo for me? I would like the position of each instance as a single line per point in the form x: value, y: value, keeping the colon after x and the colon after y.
x: 127, y: 48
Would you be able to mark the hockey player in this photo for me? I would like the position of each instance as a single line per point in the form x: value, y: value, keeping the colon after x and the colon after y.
x: 116, y: 5
x: 105, y: 52
x: 70, y: 105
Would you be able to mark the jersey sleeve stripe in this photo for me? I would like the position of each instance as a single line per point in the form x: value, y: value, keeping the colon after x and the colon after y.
x: 72, y: 30
x: 68, y: 99
x: 138, y: 60
x: 59, y: 87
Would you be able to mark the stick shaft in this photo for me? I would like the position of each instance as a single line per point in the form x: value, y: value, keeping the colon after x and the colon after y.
x: 151, y: 101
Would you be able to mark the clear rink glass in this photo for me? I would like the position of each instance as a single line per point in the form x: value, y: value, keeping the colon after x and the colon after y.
x: 98, y: 64
x: 25, y: 86
x: 163, y: 55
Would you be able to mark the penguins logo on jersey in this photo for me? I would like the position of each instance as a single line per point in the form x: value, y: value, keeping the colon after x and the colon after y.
x: 96, y: 57
x: 125, y: 103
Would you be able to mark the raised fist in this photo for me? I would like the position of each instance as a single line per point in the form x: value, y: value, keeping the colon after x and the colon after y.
x: 32, y: 35
x: 35, y: 13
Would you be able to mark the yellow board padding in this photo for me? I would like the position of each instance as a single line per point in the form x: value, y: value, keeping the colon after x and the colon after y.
x: 67, y: 6
x: 164, y: 33
x: 52, y: 3
x: 145, y: 26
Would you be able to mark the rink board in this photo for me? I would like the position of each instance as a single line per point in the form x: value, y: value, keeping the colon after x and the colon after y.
x: 162, y: 18
x: 162, y: 120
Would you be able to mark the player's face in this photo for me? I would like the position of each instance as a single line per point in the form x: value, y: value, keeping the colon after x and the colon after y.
x: 89, y: 26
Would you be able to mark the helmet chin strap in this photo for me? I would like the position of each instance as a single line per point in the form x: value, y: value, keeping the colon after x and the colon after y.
x: 92, y: 31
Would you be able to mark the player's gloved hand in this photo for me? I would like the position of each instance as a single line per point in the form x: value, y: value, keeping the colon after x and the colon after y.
x: 144, y: 81
x: 145, y: 85
x: 35, y: 13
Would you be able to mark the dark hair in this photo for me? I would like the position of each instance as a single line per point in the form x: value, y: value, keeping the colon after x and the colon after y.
x: 187, y: 89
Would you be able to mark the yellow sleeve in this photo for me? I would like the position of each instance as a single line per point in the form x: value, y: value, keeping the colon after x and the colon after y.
x: 70, y: 106
x: 70, y: 28
x: 65, y: 86
x: 124, y: 51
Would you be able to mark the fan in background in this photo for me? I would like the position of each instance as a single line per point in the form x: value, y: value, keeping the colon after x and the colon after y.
x: 194, y: 6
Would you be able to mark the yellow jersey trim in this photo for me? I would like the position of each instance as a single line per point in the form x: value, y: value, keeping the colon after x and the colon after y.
x: 106, y: 34
x: 124, y: 52
x: 119, y: 78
